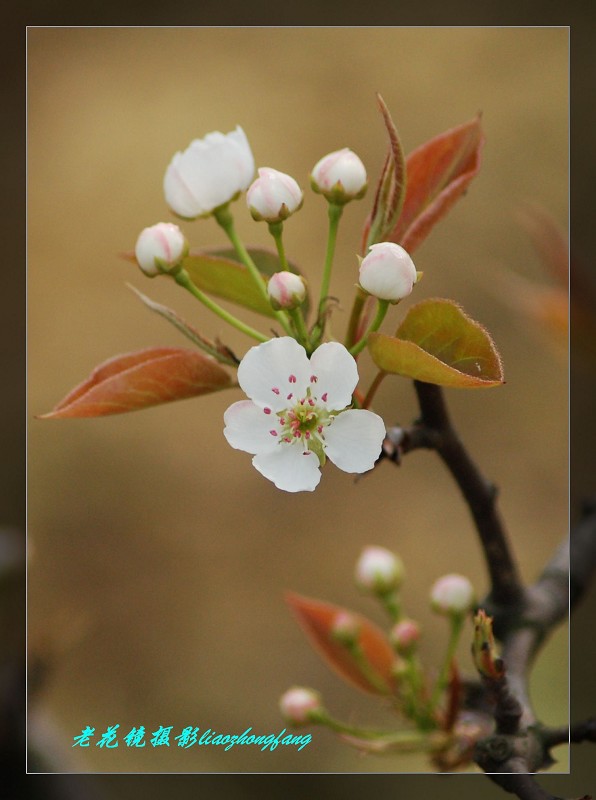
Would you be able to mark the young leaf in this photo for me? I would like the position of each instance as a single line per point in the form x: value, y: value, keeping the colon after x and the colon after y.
x: 439, y: 172
x: 134, y: 381
x: 438, y: 343
x: 218, y: 351
x: 391, y: 188
x: 317, y: 619
x: 219, y: 272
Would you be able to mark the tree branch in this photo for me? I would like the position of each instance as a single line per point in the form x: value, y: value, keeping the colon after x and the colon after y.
x: 479, y: 494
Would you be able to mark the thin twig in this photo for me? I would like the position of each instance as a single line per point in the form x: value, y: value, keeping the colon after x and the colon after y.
x: 479, y: 494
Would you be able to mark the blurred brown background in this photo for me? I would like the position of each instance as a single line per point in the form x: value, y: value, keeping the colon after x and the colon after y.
x: 159, y: 557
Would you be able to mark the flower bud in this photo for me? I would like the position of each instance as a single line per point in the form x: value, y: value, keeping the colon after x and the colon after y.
x: 274, y: 196
x: 209, y: 173
x: 339, y: 176
x: 286, y: 290
x: 404, y: 636
x: 379, y: 570
x: 345, y: 628
x: 388, y: 272
x: 452, y: 595
x: 160, y: 248
x: 298, y: 703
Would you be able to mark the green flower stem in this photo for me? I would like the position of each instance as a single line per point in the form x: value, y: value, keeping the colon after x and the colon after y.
x: 382, y: 307
x: 298, y: 319
x: 379, y: 377
x: 276, y: 229
x: 390, y: 600
x: 225, y: 220
x: 334, y: 212
x: 365, y: 668
x: 418, y: 709
x: 182, y: 278
x: 356, y: 313
x: 405, y: 738
x: 457, y: 624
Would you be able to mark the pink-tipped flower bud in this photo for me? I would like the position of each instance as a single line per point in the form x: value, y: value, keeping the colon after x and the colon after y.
x: 345, y: 628
x: 404, y: 636
x: 339, y: 176
x: 209, y: 173
x: 388, y: 272
x: 274, y: 196
x: 452, y: 595
x: 379, y: 570
x: 160, y: 248
x: 286, y: 290
x: 298, y: 704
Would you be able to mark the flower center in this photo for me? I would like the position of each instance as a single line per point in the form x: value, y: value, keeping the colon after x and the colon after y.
x: 304, y: 422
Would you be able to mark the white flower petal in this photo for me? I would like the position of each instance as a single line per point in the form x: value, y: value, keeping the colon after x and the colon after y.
x: 290, y: 468
x: 249, y: 429
x: 353, y: 440
x: 336, y: 373
x: 279, y: 364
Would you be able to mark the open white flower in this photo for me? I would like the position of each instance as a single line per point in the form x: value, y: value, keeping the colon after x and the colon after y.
x: 297, y: 414
x: 209, y: 173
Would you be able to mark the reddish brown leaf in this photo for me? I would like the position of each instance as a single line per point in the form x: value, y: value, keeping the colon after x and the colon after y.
x: 438, y: 173
x: 317, y: 620
x: 391, y: 188
x: 138, y: 380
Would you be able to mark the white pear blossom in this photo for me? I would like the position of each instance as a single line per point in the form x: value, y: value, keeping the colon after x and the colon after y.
x: 388, y: 272
x: 274, y: 196
x: 209, y: 173
x: 297, y: 414
x: 159, y: 248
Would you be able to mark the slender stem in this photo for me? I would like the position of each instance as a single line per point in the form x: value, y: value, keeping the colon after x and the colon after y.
x: 334, y: 212
x: 356, y: 313
x: 276, y: 229
x: 298, y: 319
x: 183, y: 279
x: 382, y: 307
x: 405, y: 738
x: 479, y: 494
x: 225, y: 220
x: 457, y: 624
x: 373, y: 388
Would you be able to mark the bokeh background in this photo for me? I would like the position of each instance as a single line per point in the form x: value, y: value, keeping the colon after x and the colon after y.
x: 159, y: 557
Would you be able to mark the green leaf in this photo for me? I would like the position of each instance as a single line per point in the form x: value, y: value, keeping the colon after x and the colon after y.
x: 138, y: 380
x: 391, y: 189
x: 219, y: 272
x: 219, y: 351
x: 438, y: 343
